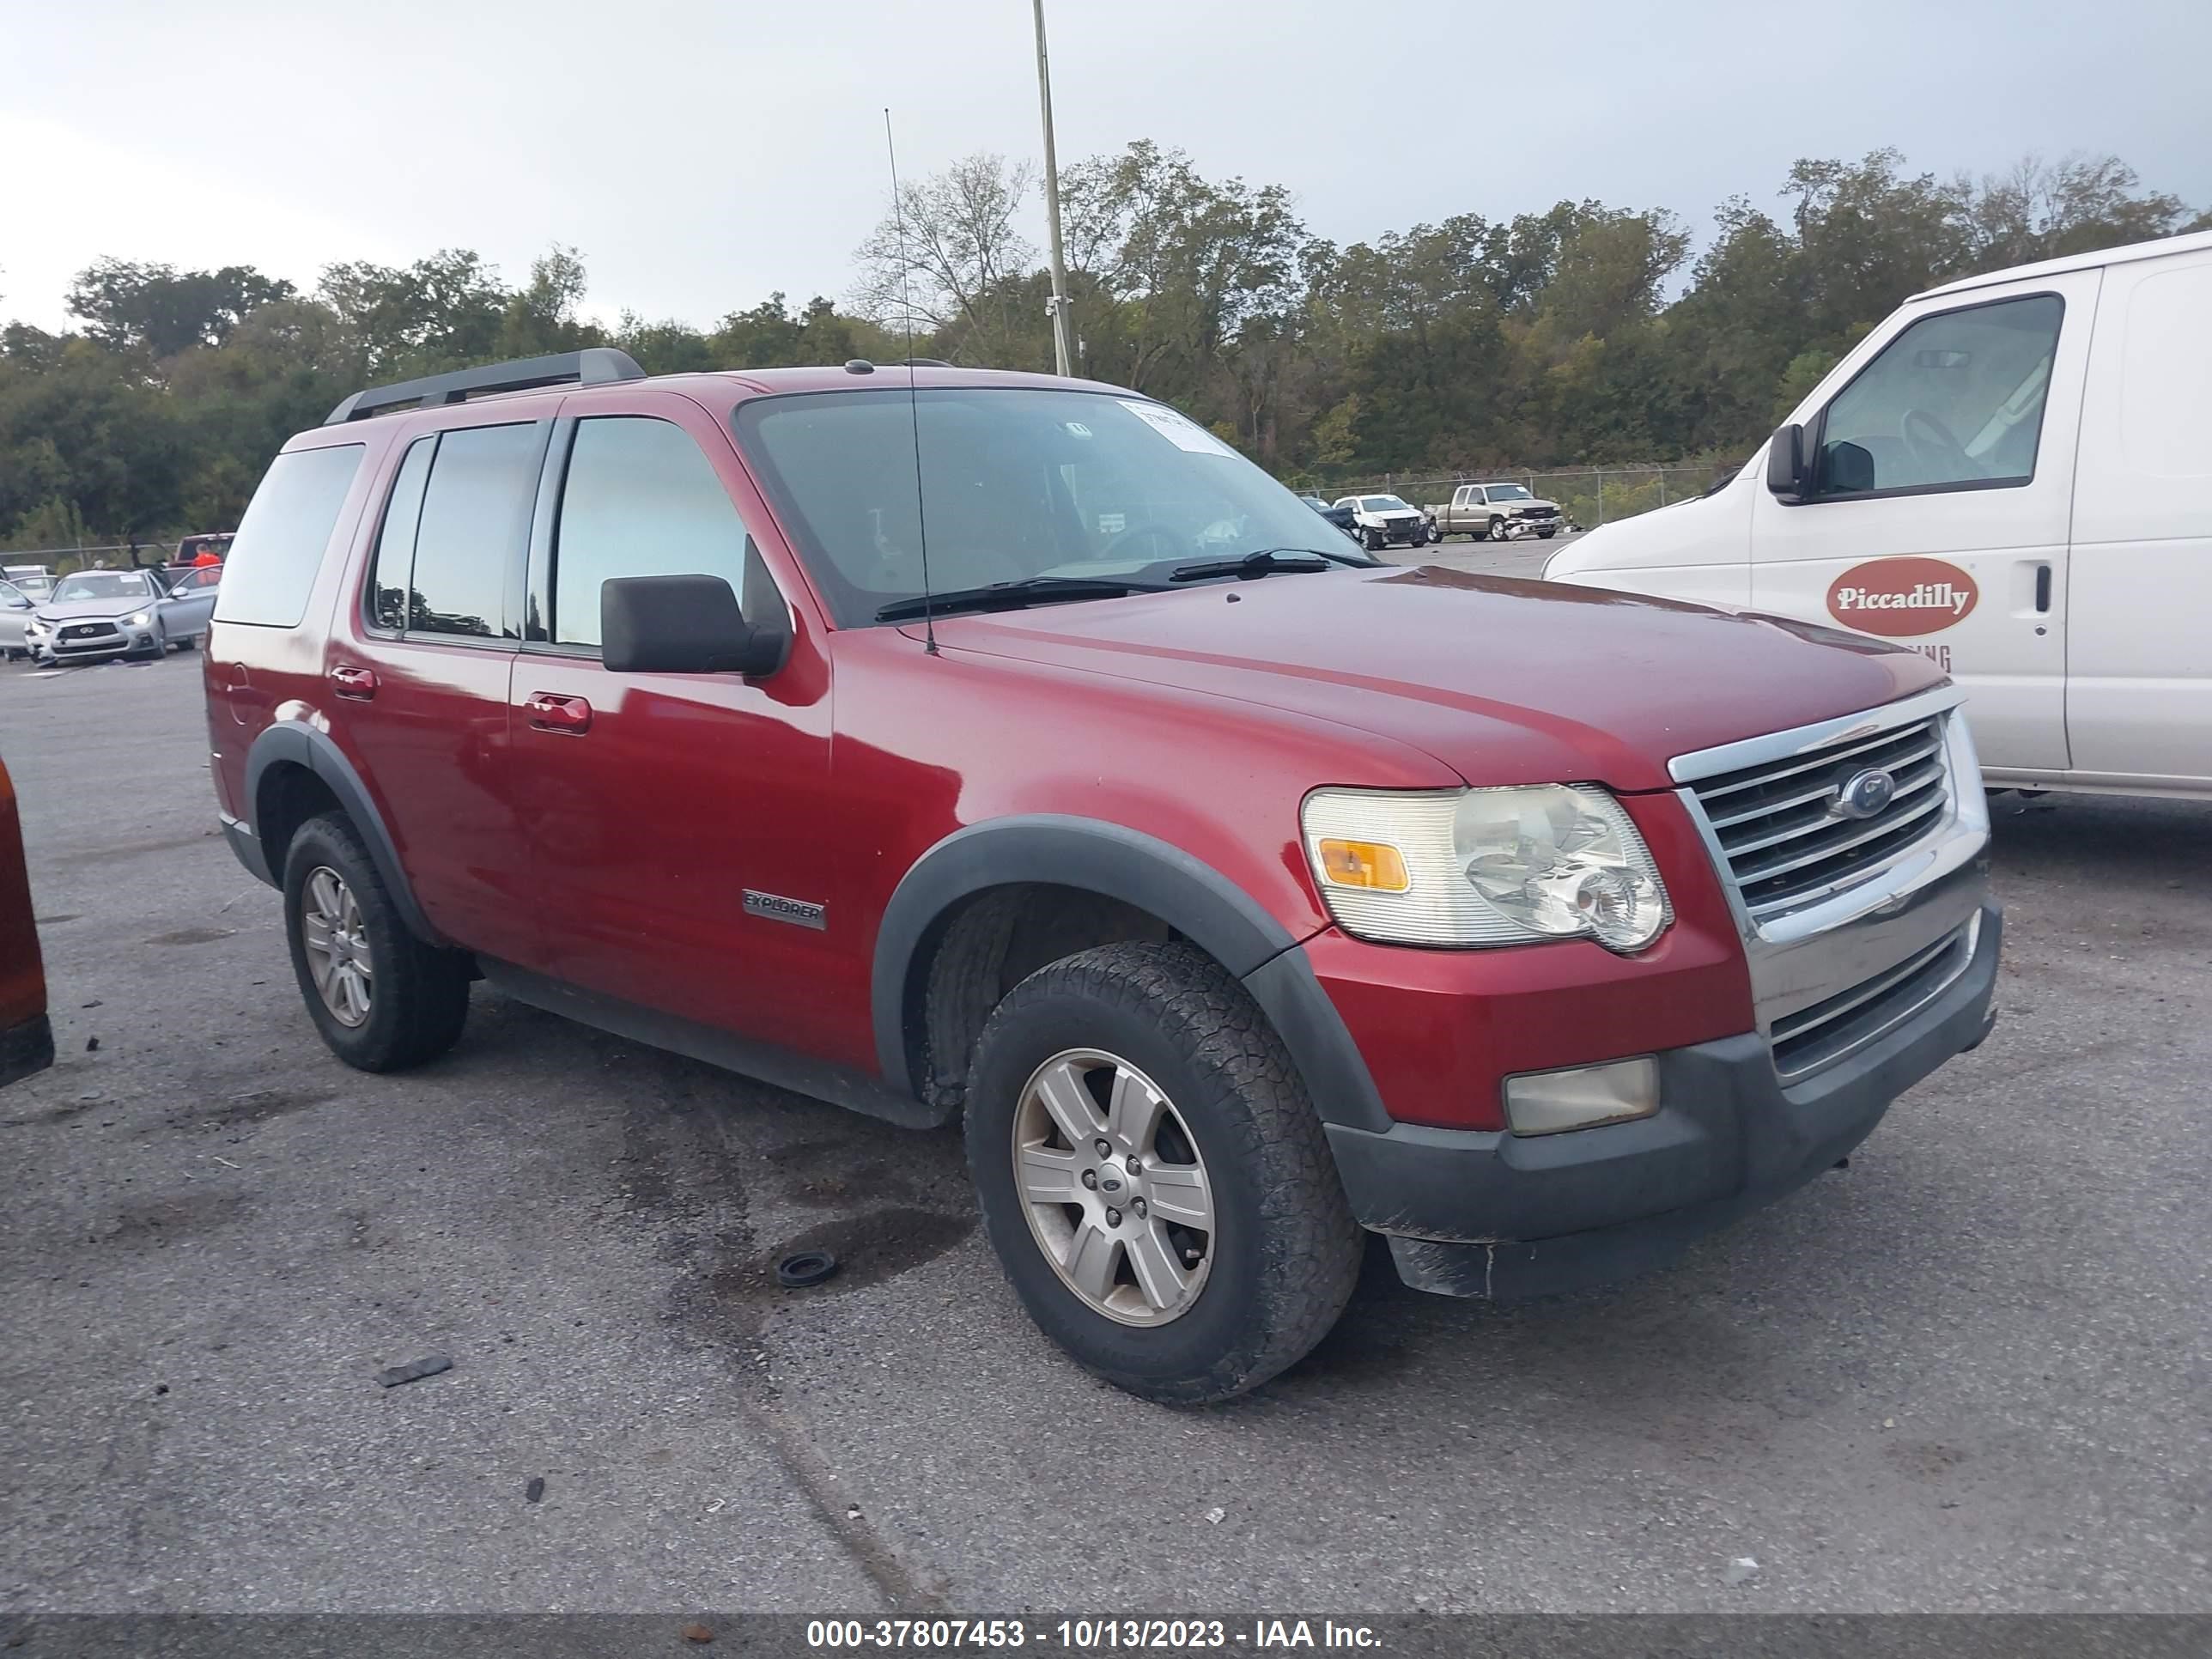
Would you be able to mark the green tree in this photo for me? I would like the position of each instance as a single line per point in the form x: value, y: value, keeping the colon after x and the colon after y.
x: 441, y: 313
x: 162, y: 310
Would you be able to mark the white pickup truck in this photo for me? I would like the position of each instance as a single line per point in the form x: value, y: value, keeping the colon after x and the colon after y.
x: 1379, y: 521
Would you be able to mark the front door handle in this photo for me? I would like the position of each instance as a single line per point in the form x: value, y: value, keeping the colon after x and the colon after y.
x: 2042, y: 589
x: 359, y: 684
x: 551, y: 713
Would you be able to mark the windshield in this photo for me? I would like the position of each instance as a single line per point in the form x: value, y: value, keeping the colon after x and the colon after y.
x: 1509, y: 492
x: 1382, y: 504
x: 101, y: 585
x: 1017, y: 483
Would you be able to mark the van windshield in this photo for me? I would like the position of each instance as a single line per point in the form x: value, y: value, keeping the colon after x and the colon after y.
x: 1016, y: 483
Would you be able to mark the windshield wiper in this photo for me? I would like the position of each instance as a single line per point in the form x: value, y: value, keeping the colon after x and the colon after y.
x: 1267, y: 561
x: 1013, y: 596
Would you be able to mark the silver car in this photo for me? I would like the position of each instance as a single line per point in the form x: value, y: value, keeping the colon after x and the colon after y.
x: 95, y: 615
x: 16, y: 608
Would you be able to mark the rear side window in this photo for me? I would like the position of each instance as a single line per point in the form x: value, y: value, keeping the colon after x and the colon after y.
x: 474, y: 527
x: 395, y: 541
x: 282, y: 539
x: 641, y: 500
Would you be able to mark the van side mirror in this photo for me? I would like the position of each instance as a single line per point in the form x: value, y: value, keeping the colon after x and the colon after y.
x: 685, y: 625
x: 1788, y: 468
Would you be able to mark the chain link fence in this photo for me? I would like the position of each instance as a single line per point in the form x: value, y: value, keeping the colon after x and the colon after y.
x: 61, y: 561
x: 1588, y: 496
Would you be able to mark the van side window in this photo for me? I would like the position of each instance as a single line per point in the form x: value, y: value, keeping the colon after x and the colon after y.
x: 285, y: 531
x: 640, y: 500
x: 395, y: 541
x: 1955, y: 402
x: 474, y: 527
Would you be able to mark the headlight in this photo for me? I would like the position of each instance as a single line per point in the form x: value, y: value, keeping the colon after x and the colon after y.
x: 36, y: 625
x: 1484, y: 867
x: 139, y: 618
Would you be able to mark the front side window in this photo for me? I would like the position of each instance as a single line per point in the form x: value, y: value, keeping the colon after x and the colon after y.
x: 281, y: 541
x: 475, y: 523
x: 640, y: 500
x: 1016, y: 484
x: 1954, y: 402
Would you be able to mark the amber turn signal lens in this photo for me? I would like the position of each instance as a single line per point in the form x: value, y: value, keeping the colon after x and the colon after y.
x: 1374, y: 865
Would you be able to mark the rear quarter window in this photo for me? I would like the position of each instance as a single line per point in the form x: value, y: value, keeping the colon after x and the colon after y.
x: 286, y: 531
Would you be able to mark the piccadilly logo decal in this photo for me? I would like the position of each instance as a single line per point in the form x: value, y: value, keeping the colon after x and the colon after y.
x: 1901, y: 598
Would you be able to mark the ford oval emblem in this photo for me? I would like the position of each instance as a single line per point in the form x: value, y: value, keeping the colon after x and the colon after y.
x: 1864, y: 794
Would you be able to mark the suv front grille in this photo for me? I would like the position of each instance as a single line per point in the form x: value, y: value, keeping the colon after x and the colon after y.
x: 1823, y: 1033
x: 1784, y: 843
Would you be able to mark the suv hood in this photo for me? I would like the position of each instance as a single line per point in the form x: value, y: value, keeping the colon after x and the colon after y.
x: 1504, y: 681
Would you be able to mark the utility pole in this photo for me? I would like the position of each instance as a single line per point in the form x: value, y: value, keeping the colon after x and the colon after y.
x: 1058, y: 304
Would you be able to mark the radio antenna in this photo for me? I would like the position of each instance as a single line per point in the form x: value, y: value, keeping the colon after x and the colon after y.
x: 913, y: 396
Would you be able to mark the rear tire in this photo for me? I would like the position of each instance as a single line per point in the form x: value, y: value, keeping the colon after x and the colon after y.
x: 1261, y: 1284
x: 418, y: 995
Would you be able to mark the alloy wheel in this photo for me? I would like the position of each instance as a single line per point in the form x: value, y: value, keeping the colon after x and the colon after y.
x: 1115, y: 1191
x: 338, y: 957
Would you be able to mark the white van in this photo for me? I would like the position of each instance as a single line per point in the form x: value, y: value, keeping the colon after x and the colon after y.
x: 2013, y: 474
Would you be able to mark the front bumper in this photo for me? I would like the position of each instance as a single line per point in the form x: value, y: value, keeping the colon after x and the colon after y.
x: 1401, y: 533
x: 1477, y: 1212
x: 99, y: 647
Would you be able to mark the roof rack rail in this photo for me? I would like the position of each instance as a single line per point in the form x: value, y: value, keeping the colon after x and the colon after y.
x: 594, y: 365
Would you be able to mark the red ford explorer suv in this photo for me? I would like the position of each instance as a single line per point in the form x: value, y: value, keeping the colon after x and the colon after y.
x: 953, y: 744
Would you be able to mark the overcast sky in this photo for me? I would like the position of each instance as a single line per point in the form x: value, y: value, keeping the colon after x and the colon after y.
x: 703, y: 153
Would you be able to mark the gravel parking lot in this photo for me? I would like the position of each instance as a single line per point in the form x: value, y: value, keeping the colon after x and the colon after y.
x: 1971, y: 1371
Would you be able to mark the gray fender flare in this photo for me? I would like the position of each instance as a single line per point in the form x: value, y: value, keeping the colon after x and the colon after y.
x: 1192, y: 897
x: 295, y: 743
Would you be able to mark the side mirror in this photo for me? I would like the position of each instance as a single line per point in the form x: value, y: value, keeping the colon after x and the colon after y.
x: 1788, y: 468
x: 684, y: 625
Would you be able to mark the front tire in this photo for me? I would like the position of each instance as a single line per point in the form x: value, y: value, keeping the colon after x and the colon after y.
x: 1227, y: 1250
x: 382, y: 998
x: 1374, y: 540
x: 1547, y: 532
x: 1496, y: 532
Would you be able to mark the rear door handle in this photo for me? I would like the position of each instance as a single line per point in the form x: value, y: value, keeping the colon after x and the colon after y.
x: 2043, y: 588
x: 551, y: 713
x: 357, y: 684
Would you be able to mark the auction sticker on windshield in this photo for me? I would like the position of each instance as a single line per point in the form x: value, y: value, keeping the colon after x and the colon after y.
x: 1178, y: 429
x: 1899, y: 598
